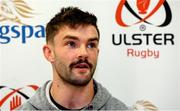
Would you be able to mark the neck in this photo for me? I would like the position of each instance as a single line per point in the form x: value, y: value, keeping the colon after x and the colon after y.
x: 72, y: 97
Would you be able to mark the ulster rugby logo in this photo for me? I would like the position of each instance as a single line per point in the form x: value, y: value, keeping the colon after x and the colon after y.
x: 13, y: 98
x: 143, y: 6
x: 14, y: 10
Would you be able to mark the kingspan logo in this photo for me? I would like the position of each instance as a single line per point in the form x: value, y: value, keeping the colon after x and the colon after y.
x: 15, y: 11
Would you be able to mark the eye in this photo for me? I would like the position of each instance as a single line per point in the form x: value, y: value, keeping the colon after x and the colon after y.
x: 92, y: 45
x: 71, y: 44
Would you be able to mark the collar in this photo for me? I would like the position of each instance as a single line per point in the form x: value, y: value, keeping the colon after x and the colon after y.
x: 41, y: 100
x: 58, y: 106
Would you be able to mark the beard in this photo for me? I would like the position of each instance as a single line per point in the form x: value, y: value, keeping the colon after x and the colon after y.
x: 65, y: 72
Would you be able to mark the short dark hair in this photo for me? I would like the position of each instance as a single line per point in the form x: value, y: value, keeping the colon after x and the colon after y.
x: 72, y: 17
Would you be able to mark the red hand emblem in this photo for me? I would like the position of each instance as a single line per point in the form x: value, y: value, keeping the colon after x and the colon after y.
x: 15, y: 102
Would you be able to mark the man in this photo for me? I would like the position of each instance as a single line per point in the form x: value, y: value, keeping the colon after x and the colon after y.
x: 72, y: 49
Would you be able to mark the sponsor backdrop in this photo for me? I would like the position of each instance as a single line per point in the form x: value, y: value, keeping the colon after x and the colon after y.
x: 139, y: 49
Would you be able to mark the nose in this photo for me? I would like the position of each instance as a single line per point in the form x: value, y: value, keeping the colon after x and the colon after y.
x: 82, y: 53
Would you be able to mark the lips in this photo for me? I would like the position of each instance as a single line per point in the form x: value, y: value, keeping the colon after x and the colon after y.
x: 81, y: 65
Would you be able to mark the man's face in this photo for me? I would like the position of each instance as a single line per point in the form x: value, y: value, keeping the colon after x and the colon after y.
x: 75, y: 54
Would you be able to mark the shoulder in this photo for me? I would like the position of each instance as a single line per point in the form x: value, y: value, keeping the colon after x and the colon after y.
x: 115, y: 104
x: 105, y: 101
x: 38, y: 101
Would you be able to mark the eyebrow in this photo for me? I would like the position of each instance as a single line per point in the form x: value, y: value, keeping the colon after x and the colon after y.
x: 70, y: 37
x: 94, y: 39
x: 76, y: 38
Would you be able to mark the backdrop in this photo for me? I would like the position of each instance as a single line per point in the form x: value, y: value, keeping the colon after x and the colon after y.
x: 139, y: 49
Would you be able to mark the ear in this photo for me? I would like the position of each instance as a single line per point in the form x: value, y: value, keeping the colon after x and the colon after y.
x: 48, y: 53
x: 98, y: 51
